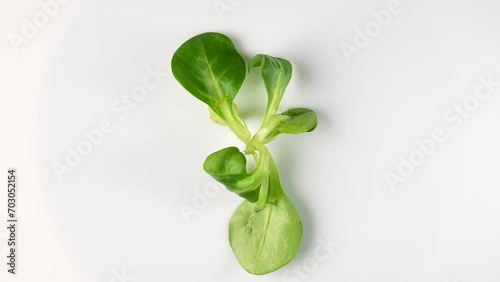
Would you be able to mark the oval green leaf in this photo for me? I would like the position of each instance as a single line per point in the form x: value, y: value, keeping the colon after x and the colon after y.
x: 209, y: 67
x: 292, y: 121
x: 299, y: 120
x: 263, y: 240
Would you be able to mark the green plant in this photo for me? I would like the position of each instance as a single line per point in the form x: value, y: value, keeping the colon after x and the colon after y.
x: 265, y: 230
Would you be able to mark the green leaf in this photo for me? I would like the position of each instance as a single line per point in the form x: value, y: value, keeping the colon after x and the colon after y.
x: 209, y: 67
x: 228, y: 162
x: 298, y: 120
x: 228, y: 166
x: 251, y: 196
x: 276, y: 73
x: 263, y: 240
x: 292, y: 121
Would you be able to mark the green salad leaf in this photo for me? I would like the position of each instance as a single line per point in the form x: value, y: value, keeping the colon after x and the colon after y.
x: 264, y: 239
x: 209, y: 67
x: 265, y: 231
x: 276, y: 74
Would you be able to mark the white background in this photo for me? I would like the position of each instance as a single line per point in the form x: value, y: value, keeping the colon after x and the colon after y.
x: 118, y: 211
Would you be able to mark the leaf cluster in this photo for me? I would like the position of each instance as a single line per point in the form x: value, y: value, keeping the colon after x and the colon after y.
x: 265, y: 230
